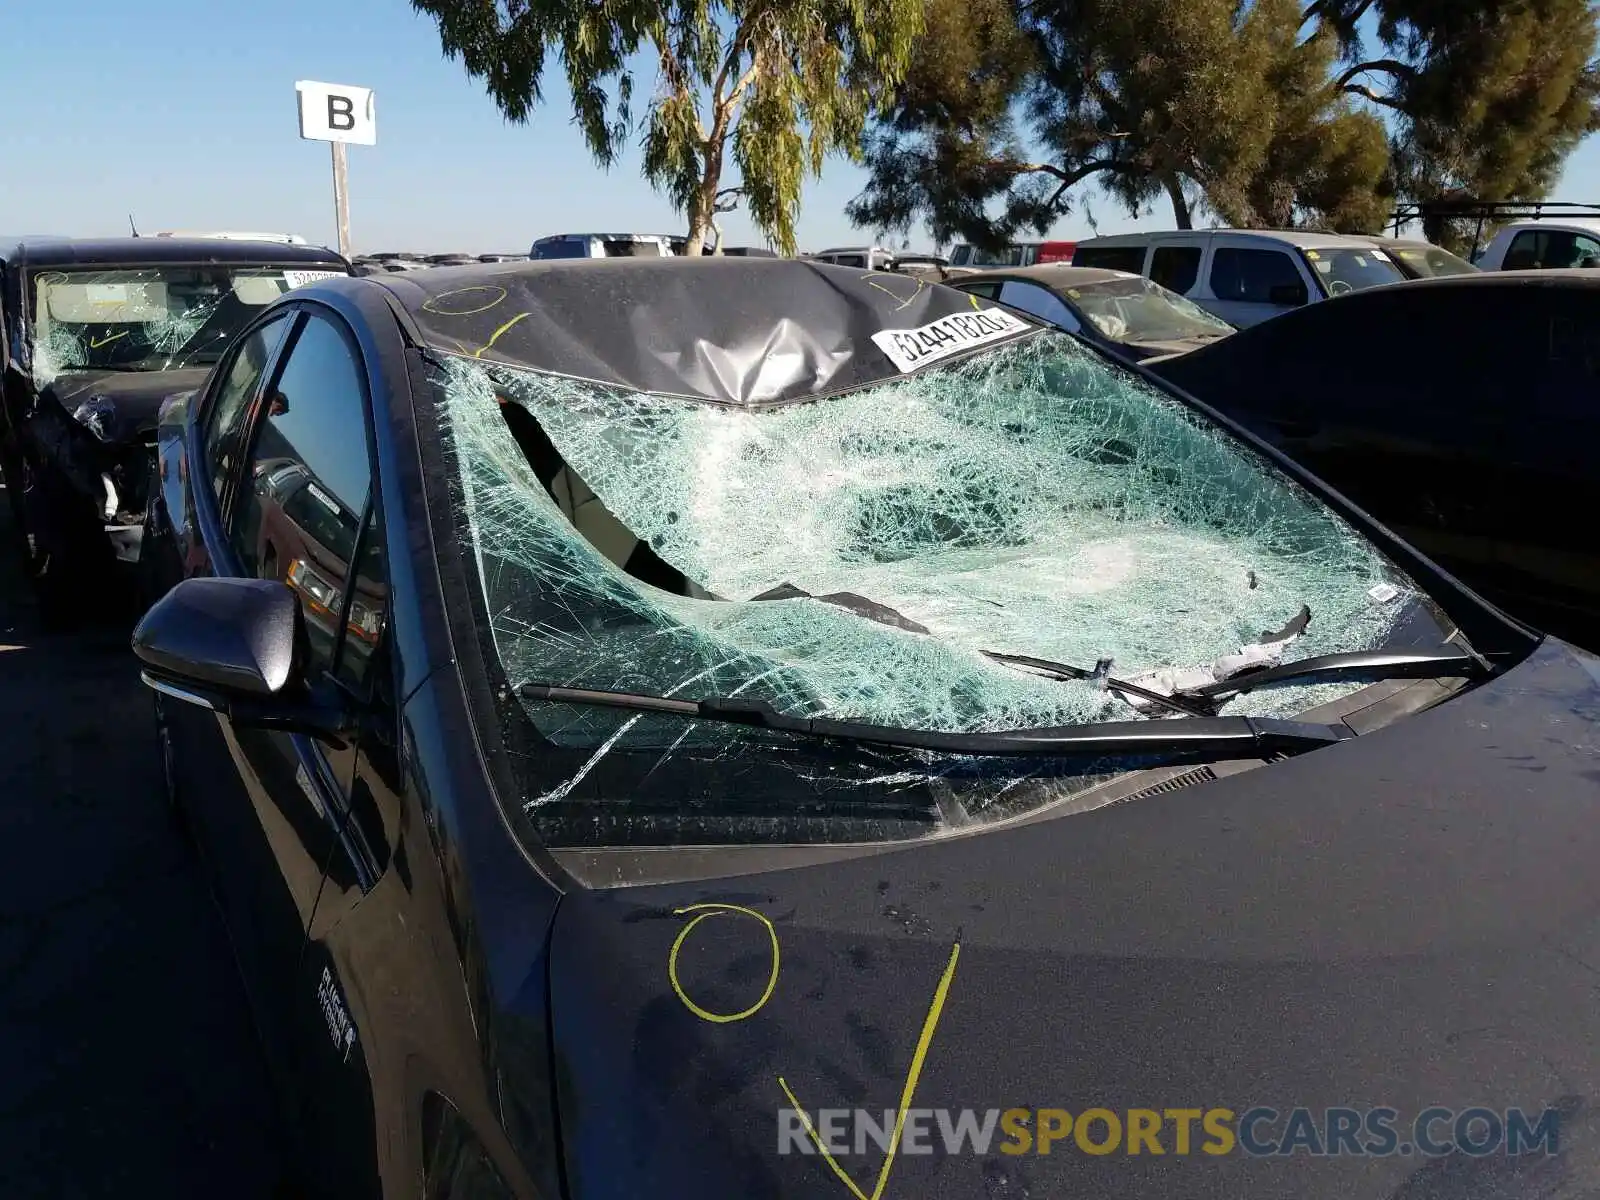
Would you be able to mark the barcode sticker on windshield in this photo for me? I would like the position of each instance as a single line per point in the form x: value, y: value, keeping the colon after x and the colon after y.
x: 909, y: 349
x: 300, y: 278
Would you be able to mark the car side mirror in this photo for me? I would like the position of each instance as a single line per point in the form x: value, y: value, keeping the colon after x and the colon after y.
x: 1287, y: 295
x: 236, y: 647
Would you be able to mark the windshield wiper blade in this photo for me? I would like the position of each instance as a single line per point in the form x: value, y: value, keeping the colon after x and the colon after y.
x: 1368, y: 664
x: 1214, y: 737
x: 1182, y: 704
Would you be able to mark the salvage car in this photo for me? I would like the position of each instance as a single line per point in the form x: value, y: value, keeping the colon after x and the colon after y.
x: 1128, y: 315
x: 1466, y: 423
x: 792, y: 692
x: 97, y: 334
x: 1420, y: 259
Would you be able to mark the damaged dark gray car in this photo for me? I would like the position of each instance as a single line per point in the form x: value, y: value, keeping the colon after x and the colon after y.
x: 98, y: 334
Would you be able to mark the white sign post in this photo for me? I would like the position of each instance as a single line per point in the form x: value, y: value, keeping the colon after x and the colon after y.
x: 339, y: 115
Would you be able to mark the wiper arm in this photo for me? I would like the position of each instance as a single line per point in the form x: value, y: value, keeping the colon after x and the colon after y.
x: 1215, y: 737
x: 1181, y: 704
x: 1368, y: 664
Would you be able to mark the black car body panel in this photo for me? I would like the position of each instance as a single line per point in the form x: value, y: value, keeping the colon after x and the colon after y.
x: 1458, y: 410
x: 1198, y: 948
x: 75, y: 440
x: 452, y: 1011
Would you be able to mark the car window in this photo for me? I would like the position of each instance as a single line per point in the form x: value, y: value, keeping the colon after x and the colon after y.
x: 1252, y: 275
x: 1547, y: 249
x: 1040, y: 302
x: 367, y: 613
x: 301, y: 509
x: 236, y: 388
x: 1112, y: 258
x: 1341, y: 271
x: 987, y: 288
x: 1175, y: 268
x: 567, y: 248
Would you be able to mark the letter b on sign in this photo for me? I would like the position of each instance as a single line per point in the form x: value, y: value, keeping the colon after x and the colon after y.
x: 337, y: 112
x: 341, y: 113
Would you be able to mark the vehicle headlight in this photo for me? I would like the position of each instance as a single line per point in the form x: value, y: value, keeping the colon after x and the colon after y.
x: 311, y: 585
x: 96, y: 414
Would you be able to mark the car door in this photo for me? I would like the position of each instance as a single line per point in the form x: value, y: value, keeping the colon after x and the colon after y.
x: 1551, y: 249
x: 1250, y: 284
x: 306, y: 437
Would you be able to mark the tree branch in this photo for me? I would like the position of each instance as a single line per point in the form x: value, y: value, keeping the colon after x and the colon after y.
x: 735, y: 53
x: 1361, y: 89
x: 1317, y: 9
x: 726, y: 109
x: 672, y: 71
x: 1390, y: 66
x: 1068, y: 178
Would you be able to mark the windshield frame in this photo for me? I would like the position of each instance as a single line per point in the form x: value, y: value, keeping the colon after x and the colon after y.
x: 29, y: 273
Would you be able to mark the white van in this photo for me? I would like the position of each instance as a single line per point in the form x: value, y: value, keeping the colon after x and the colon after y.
x: 1245, y: 276
x: 607, y: 245
x: 876, y: 258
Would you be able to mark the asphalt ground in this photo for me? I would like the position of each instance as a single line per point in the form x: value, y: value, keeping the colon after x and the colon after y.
x: 128, y: 1066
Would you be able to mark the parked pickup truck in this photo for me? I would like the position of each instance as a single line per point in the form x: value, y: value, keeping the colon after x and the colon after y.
x: 1543, y: 244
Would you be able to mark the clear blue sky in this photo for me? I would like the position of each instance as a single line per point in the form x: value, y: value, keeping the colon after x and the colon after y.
x: 183, y: 112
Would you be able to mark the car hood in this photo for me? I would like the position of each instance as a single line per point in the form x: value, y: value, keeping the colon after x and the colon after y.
x: 125, y: 404
x: 1408, y: 919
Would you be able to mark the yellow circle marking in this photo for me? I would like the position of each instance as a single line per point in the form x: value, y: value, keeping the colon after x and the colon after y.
x: 432, y: 304
x: 707, y: 911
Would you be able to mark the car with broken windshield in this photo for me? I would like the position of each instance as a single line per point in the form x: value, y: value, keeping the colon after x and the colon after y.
x: 1126, y: 314
x: 786, y: 692
x: 98, y: 333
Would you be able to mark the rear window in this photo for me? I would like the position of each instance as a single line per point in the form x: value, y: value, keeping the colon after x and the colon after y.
x: 565, y: 248
x: 1111, y: 258
x: 629, y: 248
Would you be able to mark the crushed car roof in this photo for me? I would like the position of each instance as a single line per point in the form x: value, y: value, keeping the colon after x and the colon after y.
x: 52, y: 251
x: 742, y: 331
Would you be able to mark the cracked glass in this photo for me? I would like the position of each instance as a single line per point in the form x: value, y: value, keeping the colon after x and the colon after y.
x: 854, y: 556
x: 148, y: 319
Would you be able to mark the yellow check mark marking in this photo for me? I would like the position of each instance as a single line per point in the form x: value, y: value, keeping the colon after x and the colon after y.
x: 917, y: 1059
x: 96, y: 343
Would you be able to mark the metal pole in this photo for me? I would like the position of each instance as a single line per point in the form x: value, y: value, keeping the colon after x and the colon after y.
x: 341, y: 197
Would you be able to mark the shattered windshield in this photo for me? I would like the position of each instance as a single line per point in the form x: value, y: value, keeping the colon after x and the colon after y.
x: 1136, y: 310
x: 150, y: 318
x: 854, y: 556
